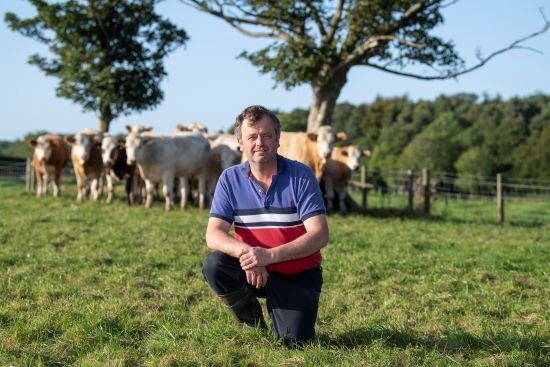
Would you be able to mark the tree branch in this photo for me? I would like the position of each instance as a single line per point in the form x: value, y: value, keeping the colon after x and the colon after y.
x: 335, y: 21
x: 516, y: 45
x: 317, y: 18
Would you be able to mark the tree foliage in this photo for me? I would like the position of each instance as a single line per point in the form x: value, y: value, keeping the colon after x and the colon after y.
x: 317, y: 42
x: 107, y: 54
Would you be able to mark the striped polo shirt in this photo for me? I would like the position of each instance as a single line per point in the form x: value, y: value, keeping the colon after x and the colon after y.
x: 272, y: 218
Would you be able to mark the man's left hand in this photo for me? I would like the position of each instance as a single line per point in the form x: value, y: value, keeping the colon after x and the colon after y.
x: 255, y: 256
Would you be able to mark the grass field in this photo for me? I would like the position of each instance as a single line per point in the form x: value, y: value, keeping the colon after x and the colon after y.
x: 111, y: 285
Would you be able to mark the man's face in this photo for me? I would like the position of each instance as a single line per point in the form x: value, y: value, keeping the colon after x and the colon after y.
x: 259, y: 142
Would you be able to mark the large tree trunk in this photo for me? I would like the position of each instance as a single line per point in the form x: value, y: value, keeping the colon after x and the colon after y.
x: 325, y: 95
x: 105, y: 118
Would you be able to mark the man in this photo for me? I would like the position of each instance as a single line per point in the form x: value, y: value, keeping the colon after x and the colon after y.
x: 280, y: 224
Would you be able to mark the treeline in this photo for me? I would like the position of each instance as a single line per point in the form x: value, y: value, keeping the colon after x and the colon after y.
x: 463, y: 133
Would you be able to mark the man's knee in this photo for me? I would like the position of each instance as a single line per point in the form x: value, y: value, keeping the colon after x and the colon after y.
x: 221, y: 272
x: 212, y: 265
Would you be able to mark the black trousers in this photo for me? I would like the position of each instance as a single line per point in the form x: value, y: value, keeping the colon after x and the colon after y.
x: 292, y: 300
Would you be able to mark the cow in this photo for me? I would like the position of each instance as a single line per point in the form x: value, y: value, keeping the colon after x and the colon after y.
x: 343, y: 161
x: 224, y: 139
x: 138, y: 128
x: 221, y: 157
x: 165, y: 157
x: 116, y: 168
x: 50, y: 155
x: 313, y: 148
x: 87, y: 162
x: 194, y: 127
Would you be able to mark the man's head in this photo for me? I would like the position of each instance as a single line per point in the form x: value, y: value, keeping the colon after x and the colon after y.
x: 253, y: 114
x: 258, y: 131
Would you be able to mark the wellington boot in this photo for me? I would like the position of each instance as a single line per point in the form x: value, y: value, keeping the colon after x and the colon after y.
x: 245, y: 307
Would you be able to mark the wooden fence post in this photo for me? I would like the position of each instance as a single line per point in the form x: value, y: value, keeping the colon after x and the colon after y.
x: 364, y: 189
x: 426, y: 191
x: 29, y: 175
x: 500, y: 199
x: 410, y: 191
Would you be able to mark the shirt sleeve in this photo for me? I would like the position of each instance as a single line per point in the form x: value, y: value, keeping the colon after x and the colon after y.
x: 309, y: 197
x: 221, y: 204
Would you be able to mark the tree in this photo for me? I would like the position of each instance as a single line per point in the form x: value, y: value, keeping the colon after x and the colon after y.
x: 318, y: 42
x: 107, y: 54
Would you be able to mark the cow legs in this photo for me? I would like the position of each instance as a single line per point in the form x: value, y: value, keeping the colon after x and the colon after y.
x: 81, y: 189
x: 329, y: 193
x: 150, y: 190
x: 167, y: 190
x: 202, y: 191
x: 39, y: 180
x: 342, y: 201
x: 110, y: 188
x: 184, y: 191
x: 94, y: 189
x: 56, y: 182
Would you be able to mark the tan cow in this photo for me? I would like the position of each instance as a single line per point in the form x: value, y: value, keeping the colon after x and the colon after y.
x: 193, y: 127
x: 87, y: 162
x: 49, y: 157
x: 313, y: 149
x: 338, y: 169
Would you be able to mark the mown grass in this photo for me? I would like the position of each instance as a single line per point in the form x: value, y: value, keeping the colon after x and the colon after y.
x: 111, y: 285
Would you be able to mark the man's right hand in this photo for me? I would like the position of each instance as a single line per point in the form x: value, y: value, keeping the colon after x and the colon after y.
x: 257, y: 276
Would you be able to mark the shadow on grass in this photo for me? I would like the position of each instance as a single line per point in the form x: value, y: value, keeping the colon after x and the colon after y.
x: 448, y: 343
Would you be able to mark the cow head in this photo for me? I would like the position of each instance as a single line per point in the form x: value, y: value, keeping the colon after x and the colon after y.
x: 109, y: 150
x: 325, y: 138
x: 192, y: 127
x: 42, y: 148
x: 351, y: 155
x: 82, y: 145
x: 134, y: 146
x: 138, y: 128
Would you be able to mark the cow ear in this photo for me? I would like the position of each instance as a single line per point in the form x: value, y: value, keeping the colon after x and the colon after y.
x: 128, y: 128
x: 341, y: 136
x: 344, y: 152
x: 70, y: 139
x: 32, y: 142
x: 180, y: 127
x: 147, y: 129
x: 367, y: 153
x: 312, y: 136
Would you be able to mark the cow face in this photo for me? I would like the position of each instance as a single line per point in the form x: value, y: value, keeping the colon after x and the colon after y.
x: 109, y: 150
x: 325, y: 138
x: 134, y: 147
x: 42, y: 148
x: 82, y: 145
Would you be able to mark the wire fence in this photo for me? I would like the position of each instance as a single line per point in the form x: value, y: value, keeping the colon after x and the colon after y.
x: 448, y: 195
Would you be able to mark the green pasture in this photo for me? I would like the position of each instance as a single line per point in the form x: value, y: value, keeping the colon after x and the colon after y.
x: 112, y: 285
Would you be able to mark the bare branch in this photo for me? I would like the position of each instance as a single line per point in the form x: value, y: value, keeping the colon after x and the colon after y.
x: 236, y: 21
x: 516, y: 45
x: 317, y: 18
x: 335, y: 21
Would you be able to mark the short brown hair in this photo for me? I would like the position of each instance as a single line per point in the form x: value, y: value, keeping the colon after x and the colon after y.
x: 254, y: 114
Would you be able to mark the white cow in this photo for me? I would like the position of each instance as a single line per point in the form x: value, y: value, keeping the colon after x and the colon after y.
x: 165, y: 157
x: 221, y: 157
x: 194, y: 127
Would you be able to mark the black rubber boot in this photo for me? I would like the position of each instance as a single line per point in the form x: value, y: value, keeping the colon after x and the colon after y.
x: 245, y: 307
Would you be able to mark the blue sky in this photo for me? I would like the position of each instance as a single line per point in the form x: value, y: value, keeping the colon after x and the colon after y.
x: 206, y: 82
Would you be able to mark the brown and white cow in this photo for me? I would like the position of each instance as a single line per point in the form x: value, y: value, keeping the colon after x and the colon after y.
x: 165, y: 157
x: 113, y: 153
x: 313, y: 149
x: 193, y: 127
x: 50, y: 156
x: 87, y: 162
x: 338, y: 169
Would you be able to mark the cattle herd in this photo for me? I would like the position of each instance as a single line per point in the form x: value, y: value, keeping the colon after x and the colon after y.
x: 187, y: 159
